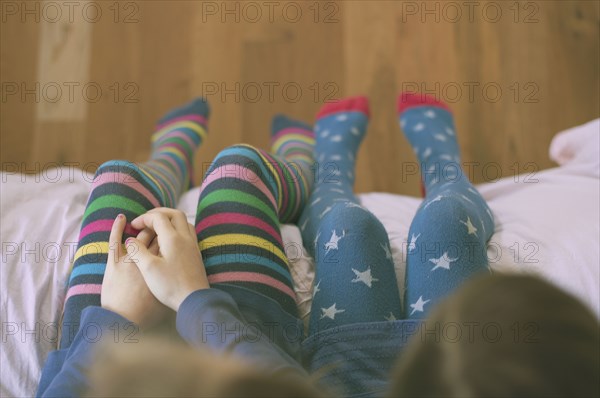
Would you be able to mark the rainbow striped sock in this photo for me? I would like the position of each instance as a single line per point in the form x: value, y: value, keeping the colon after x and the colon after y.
x: 245, y: 195
x: 125, y: 187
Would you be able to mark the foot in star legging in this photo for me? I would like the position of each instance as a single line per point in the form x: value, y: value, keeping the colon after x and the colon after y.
x: 449, y: 234
x: 246, y: 194
x: 355, y: 279
x: 131, y: 189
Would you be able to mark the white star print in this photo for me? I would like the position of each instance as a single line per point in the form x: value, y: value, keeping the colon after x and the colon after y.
x: 416, y: 150
x: 429, y: 114
x: 327, y: 210
x: 337, y: 190
x: 419, y: 127
x: 386, y: 249
x: 317, y: 200
x: 489, y: 213
x: 330, y: 312
x: 446, y: 157
x: 418, y: 306
x: 470, y: 227
x: 443, y: 262
x: 467, y: 199
x: 333, y: 241
x: 349, y: 174
x: 436, y: 199
x: 390, y: 318
x: 426, y: 153
x: 316, y: 289
x: 364, y: 277
x: 355, y: 131
x: 335, y: 157
x: 336, y: 138
x: 402, y: 123
x: 472, y: 190
x: 440, y: 137
x: 352, y: 204
x: 449, y: 131
x: 316, y: 239
x: 303, y: 226
x: 325, y: 133
x: 341, y: 118
x: 413, y: 242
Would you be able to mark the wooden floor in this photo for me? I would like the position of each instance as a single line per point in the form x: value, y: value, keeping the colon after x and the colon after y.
x: 89, y: 86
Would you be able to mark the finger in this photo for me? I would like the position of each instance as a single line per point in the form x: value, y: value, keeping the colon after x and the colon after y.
x: 154, y: 248
x: 146, y: 236
x: 156, y: 221
x: 192, y: 231
x: 138, y: 253
x: 176, y: 217
x: 114, y: 240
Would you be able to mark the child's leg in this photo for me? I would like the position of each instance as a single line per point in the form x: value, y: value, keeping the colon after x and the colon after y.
x: 355, y: 279
x: 246, y: 193
x: 124, y: 187
x: 449, y: 234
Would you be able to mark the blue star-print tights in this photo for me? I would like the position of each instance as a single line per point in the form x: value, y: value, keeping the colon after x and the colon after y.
x: 355, y: 279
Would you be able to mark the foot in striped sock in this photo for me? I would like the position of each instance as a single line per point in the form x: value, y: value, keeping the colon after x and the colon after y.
x: 178, y: 135
x: 131, y: 189
x: 293, y: 142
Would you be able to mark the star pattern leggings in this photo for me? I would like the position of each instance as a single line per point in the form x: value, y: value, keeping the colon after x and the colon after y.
x: 355, y: 279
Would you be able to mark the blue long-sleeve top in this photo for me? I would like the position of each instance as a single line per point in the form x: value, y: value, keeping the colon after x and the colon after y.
x: 352, y: 360
x: 206, y: 318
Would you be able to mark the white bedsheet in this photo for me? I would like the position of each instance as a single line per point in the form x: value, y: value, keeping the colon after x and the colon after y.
x: 549, y: 227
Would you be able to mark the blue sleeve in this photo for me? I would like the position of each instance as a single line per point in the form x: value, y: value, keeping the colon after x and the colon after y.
x: 210, y: 318
x: 64, y: 373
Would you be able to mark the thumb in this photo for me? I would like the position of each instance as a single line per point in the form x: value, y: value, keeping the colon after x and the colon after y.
x: 138, y: 253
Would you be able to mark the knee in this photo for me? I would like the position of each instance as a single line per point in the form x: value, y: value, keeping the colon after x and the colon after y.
x: 239, y: 154
x: 120, y: 168
x: 443, y: 206
x: 350, y: 216
x: 239, y: 158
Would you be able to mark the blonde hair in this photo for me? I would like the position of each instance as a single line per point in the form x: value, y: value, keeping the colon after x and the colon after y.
x: 503, y: 335
x: 156, y: 367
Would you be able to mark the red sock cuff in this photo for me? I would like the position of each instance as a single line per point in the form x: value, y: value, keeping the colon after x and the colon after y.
x: 410, y: 100
x: 352, y: 104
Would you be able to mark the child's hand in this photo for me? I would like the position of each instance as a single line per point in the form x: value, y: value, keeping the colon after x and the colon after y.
x: 177, y: 270
x: 124, y: 290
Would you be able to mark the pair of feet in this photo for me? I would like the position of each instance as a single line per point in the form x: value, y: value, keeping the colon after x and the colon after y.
x: 333, y: 142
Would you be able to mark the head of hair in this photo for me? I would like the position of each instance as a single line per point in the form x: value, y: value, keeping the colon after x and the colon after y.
x: 156, y: 367
x: 503, y: 335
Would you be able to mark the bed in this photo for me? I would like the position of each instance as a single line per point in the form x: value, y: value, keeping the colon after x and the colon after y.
x: 548, y: 224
